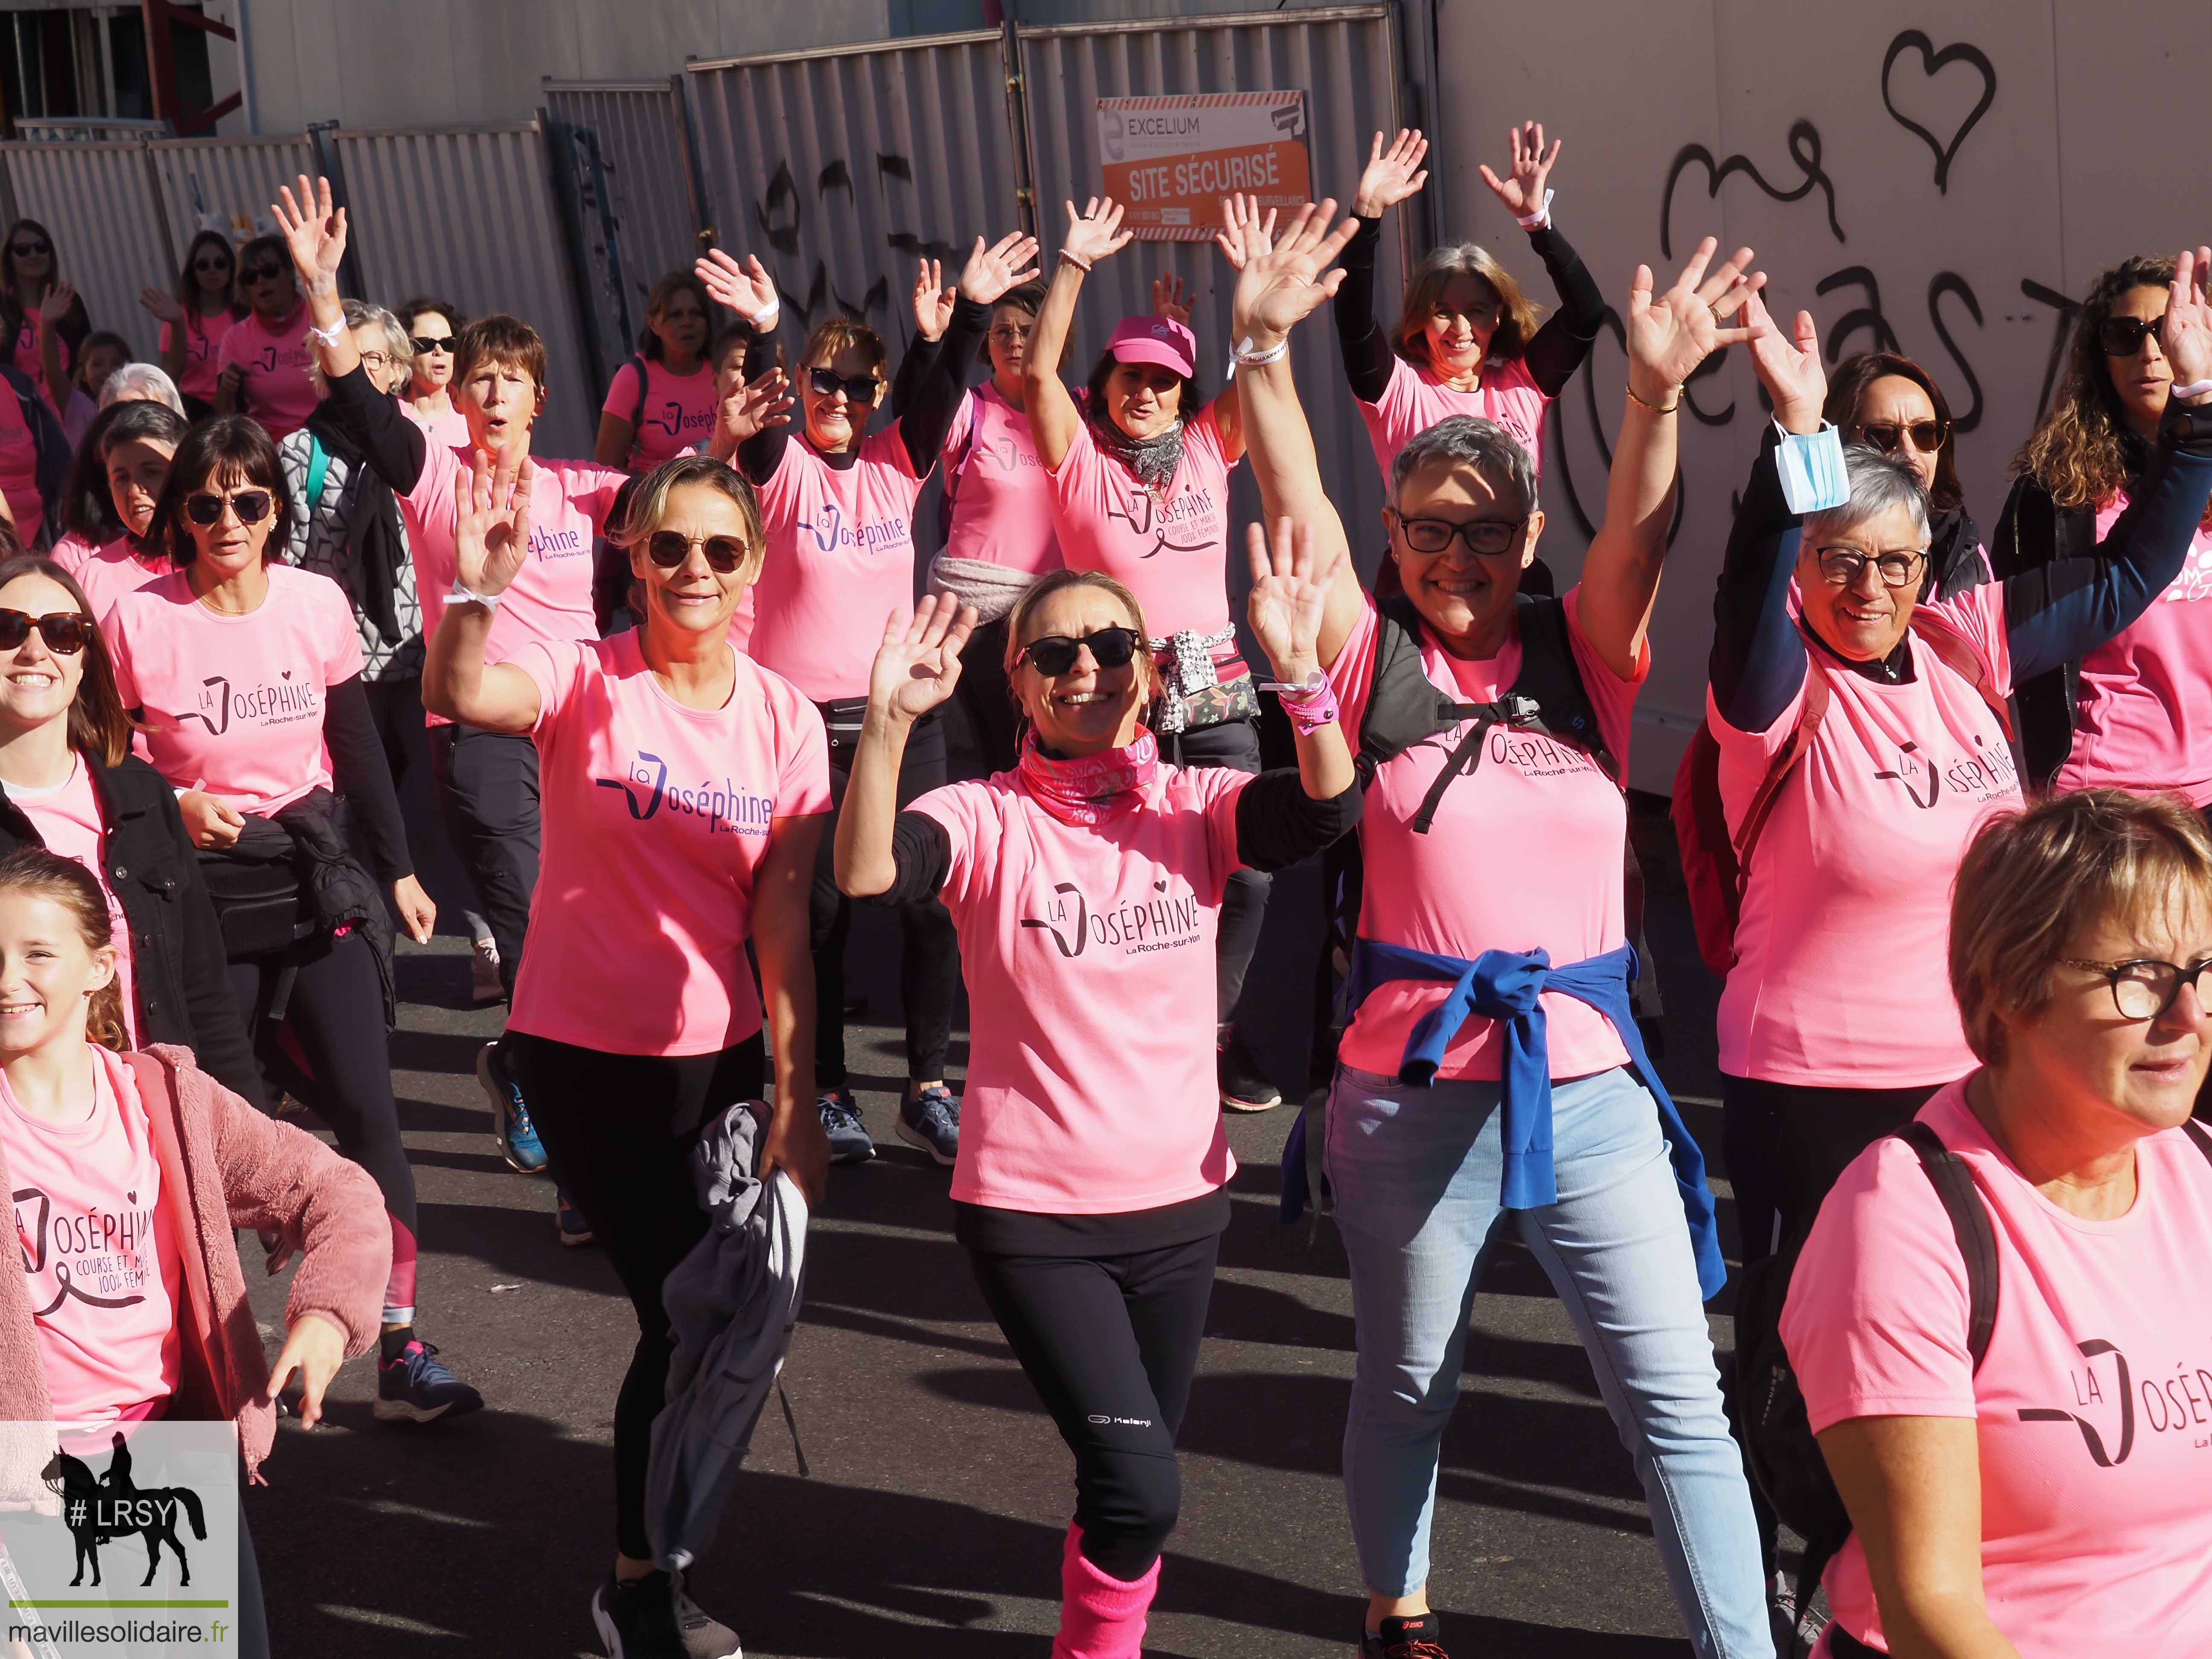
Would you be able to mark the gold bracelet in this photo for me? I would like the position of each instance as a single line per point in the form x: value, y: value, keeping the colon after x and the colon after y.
x: 1655, y: 408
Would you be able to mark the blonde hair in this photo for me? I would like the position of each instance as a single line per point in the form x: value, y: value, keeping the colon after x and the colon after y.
x: 649, y: 505
x: 399, y: 344
x: 2031, y: 880
x: 1017, y: 619
x: 1517, y: 314
x: 834, y: 334
x: 46, y: 875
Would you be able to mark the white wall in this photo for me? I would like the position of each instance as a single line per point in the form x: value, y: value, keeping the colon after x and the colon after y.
x: 2081, y: 159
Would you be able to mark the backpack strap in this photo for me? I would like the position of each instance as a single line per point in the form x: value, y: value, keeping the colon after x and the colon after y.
x: 318, y: 468
x: 1812, y: 709
x: 2202, y: 1137
x: 1970, y: 1224
x: 1551, y: 679
x: 1957, y: 653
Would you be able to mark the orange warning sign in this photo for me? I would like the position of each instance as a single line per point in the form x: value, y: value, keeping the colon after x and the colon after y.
x: 1169, y: 161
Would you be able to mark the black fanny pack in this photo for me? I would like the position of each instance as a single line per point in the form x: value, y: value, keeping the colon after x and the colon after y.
x: 258, y: 903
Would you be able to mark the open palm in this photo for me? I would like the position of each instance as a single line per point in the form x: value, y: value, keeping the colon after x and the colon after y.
x: 1521, y: 190
x: 1284, y: 278
x: 491, y: 524
x: 1391, y: 174
x: 994, y: 270
x: 918, y: 664
x: 753, y: 406
x: 1097, y: 231
x: 1671, y: 333
x: 746, y: 289
x: 1289, y: 595
x: 1789, y: 366
x: 2186, y: 337
x: 314, y: 231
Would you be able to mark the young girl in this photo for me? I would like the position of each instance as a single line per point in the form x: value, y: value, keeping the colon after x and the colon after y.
x: 661, y: 402
x: 195, y: 316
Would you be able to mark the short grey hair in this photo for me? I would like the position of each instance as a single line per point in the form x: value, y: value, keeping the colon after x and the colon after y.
x: 1494, y: 454
x: 145, y: 381
x: 1879, y: 483
x: 399, y: 345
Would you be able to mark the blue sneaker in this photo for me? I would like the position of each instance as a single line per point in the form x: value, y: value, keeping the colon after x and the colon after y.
x: 840, y: 1121
x: 511, y: 1128
x: 415, y: 1388
x: 930, y: 1119
x: 574, y: 1229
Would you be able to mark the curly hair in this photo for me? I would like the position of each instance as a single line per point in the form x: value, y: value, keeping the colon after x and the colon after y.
x: 2082, y: 453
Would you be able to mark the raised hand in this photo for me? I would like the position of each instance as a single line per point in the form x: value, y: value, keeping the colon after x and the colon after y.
x: 750, y: 407
x: 1289, y: 592
x: 56, y: 303
x: 491, y: 524
x: 933, y: 301
x: 1789, y: 366
x: 1671, y: 333
x: 1522, y: 191
x: 991, y: 272
x: 746, y: 289
x: 1171, y: 299
x: 163, y: 303
x: 314, y: 231
x: 1242, y: 229
x: 1393, y: 174
x: 1283, y: 280
x: 919, y: 663
x: 1096, y: 232
x: 2186, y: 335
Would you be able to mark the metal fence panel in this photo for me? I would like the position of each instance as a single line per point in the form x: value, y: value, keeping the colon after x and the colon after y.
x: 225, y: 184
x: 98, y: 200
x: 470, y: 216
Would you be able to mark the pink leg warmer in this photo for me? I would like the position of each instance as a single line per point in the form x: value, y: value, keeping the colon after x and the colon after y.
x: 1100, y: 1617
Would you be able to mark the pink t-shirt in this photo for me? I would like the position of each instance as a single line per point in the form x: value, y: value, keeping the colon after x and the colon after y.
x: 2144, y: 720
x: 276, y: 391
x: 32, y: 363
x: 679, y: 412
x: 107, y: 573
x: 450, y: 428
x: 1088, y: 952
x: 840, y: 560
x: 1171, y: 551
x: 655, y: 817
x: 2093, y: 1408
x: 204, y: 337
x: 1840, y: 979
x: 1449, y: 892
x: 19, y: 469
x: 100, y: 1251
x: 67, y: 817
x: 1001, y: 498
x: 234, y: 704
x: 1416, y: 400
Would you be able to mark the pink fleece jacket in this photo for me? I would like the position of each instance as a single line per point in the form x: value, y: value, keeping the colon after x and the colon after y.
x: 224, y: 1166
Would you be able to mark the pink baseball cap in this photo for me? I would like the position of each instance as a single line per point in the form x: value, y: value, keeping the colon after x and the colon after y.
x: 1159, y: 340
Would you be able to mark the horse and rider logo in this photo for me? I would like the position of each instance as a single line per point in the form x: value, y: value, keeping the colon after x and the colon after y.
x: 100, y: 1509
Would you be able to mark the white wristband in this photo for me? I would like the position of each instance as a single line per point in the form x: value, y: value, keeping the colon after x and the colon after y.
x: 463, y: 596
x: 1540, y: 217
x: 330, y: 336
x: 765, y: 320
x: 1245, y: 357
x: 2194, y: 389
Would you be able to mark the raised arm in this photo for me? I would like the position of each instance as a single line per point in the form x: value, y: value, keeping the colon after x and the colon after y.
x: 176, y: 335
x: 750, y: 291
x: 932, y: 315
x: 915, y: 670
x: 1668, y: 336
x: 51, y: 310
x: 1093, y: 234
x: 1558, y: 348
x: 1392, y: 175
x: 491, y: 542
x: 989, y: 273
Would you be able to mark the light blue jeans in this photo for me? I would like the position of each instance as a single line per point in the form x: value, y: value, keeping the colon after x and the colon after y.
x: 1416, y: 1174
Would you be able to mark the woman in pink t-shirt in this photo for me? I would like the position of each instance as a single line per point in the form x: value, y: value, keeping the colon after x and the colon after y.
x: 661, y: 402
x: 1889, y: 402
x: 195, y: 314
x: 684, y: 789
x: 127, y: 1174
x: 113, y: 488
x: 29, y: 273
x: 1492, y: 1063
x: 1090, y: 1188
x: 261, y: 360
x: 2044, y: 1498
x: 245, y: 676
x: 427, y: 400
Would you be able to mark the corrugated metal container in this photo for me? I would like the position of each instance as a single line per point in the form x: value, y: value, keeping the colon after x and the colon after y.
x: 469, y: 215
x: 98, y: 200
x: 225, y: 184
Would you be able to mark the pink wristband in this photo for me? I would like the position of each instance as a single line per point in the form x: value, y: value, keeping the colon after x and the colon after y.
x: 1310, y: 706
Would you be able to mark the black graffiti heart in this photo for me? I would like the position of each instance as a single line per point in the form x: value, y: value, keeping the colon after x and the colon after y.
x: 1932, y: 62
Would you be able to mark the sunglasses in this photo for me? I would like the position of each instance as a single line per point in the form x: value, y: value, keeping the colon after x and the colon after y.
x: 64, y: 631
x: 1888, y: 436
x: 251, y: 274
x: 1056, y: 654
x: 434, y: 343
x: 668, y: 549
x: 209, y: 265
x: 205, y: 509
x: 30, y: 250
x: 860, y: 389
x: 2123, y: 337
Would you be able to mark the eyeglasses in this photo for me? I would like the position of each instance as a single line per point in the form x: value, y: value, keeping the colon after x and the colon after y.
x: 2140, y: 990
x: 1489, y: 537
x: 669, y: 548
x: 30, y: 250
x: 1007, y: 334
x: 860, y: 389
x: 64, y: 631
x: 375, y: 361
x: 434, y: 343
x: 1841, y: 565
x: 205, y: 508
x: 1888, y: 436
x: 1056, y: 654
x: 2123, y: 337
x: 252, y: 274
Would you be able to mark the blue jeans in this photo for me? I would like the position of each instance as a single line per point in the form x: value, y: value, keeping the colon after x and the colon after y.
x: 1417, y: 1174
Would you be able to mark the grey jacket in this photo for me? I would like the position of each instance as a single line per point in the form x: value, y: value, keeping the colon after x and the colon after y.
x: 733, y: 1303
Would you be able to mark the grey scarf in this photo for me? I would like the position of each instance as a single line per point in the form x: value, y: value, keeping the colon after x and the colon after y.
x: 1153, y: 459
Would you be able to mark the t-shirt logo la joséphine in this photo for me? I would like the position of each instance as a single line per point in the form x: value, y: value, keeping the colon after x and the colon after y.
x: 1161, y: 920
x: 729, y: 808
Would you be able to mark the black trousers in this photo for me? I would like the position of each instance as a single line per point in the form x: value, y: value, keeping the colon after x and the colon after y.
x: 981, y: 722
x: 618, y: 1131
x: 1235, y: 744
x: 1786, y: 1145
x: 488, y: 792
x: 253, y: 1633
x: 395, y: 706
x: 1110, y: 1344
x: 929, y: 946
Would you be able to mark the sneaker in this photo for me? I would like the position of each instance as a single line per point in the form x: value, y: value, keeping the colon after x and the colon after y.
x: 574, y: 1229
x: 931, y: 1121
x: 1420, y: 1637
x: 1244, y: 1088
x: 637, y: 1619
x: 512, y: 1130
x: 417, y: 1388
x: 840, y: 1121
x: 705, y: 1637
x: 484, y: 974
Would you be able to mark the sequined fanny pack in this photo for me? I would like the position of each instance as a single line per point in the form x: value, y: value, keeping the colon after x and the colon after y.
x: 1195, y: 695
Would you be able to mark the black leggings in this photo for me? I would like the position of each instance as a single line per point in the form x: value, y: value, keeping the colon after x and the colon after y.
x: 252, y: 1614
x: 983, y: 727
x: 618, y: 1131
x: 1235, y: 744
x: 330, y: 1051
x: 487, y: 786
x: 1110, y: 1344
x: 1786, y: 1144
x: 929, y: 948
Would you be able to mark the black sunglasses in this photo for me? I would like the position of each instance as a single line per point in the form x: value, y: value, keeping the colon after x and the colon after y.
x: 2123, y: 337
x: 860, y: 389
x: 205, y: 509
x: 64, y: 631
x: 669, y: 548
x: 259, y: 273
x: 29, y: 250
x: 434, y: 343
x: 1056, y: 654
x: 215, y: 262
x: 1888, y: 436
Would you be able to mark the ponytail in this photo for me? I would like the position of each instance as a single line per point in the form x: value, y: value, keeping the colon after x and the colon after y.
x: 35, y: 871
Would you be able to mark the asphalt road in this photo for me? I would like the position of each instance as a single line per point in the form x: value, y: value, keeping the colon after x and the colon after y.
x: 931, y: 1522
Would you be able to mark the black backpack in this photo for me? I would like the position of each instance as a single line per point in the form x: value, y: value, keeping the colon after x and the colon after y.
x: 2033, y: 529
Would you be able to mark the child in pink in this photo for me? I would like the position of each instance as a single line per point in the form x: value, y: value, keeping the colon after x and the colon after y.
x: 672, y: 414
x: 204, y: 334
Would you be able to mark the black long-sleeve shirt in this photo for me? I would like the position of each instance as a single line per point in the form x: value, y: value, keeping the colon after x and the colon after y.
x: 396, y: 447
